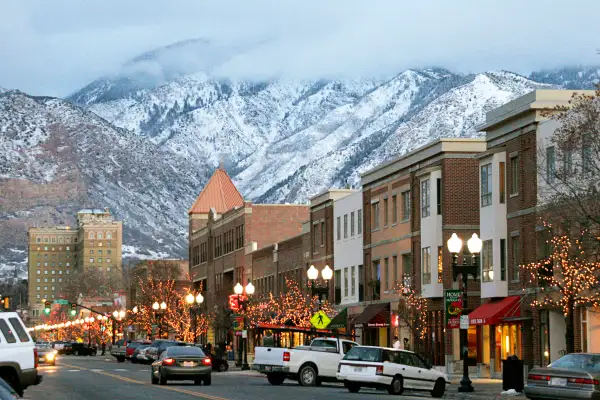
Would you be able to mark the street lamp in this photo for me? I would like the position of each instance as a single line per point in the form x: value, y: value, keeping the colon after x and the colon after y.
x: 465, y: 269
x: 313, y: 275
x: 242, y: 304
x: 162, y: 307
x: 194, y: 303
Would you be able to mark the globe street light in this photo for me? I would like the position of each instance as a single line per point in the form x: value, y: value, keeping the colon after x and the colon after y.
x: 465, y: 269
x: 194, y: 303
x: 155, y: 305
x: 313, y: 274
x: 238, y: 289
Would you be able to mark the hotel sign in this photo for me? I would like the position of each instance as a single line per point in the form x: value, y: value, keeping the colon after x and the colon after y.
x: 453, y: 306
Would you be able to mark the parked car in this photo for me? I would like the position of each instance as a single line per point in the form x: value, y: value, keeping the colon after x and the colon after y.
x: 573, y: 376
x: 84, y: 349
x: 18, y: 354
x: 139, y: 355
x: 119, y: 349
x: 391, y: 369
x: 67, y: 349
x: 46, y: 354
x: 7, y: 392
x: 132, y: 346
x: 181, y: 363
x: 310, y: 365
x: 160, y: 345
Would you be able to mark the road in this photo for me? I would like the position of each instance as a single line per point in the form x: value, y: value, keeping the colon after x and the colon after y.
x: 100, y: 378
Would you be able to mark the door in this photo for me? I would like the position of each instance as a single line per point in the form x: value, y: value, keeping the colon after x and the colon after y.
x: 410, y: 373
x: 422, y: 376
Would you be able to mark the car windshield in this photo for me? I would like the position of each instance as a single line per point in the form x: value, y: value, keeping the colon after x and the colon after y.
x: 184, y: 351
x: 358, y: 353
x: 585, y: 362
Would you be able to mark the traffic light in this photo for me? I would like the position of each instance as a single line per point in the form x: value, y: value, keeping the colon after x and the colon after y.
x: 73, y: 309
x: 6, y: 303
x: 47, y: 306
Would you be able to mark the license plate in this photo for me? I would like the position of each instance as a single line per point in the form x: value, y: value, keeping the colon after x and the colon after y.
x: 268, y: 368
x: 359, y: 369
x: 189, y: 364
x: 558, y: 382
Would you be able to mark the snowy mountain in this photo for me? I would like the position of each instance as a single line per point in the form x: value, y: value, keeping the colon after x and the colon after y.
x: 144, y: 141
x: 56, y: 158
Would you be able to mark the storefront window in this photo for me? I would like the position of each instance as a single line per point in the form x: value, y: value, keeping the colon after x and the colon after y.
x: 544, y: 338
x: 508, y: 342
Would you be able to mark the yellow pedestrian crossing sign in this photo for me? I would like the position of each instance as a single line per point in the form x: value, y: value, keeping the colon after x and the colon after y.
x: 320, y: 320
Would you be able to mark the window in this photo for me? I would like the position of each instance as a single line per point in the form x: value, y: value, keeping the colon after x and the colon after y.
x: 438, y: 193
x: 108, y: 235
x: 426, y: 265
x: 395, y: 267
x: 60, y: 279
x: 53, y: 240
x: 394, y: 209
x: 440, y: 264
x: 37, y: 288
x: 7, y: 332
x: 386, y: 269
x: 99, y: 235
x: 346, y: 282
x: 406, y: 269
x: 45, y: 287
x: 502, y: 179
x: 46, y: 272
x: 486, y: 185
x: 53, y: 272
x: 550, y: 164
x: 359, y: 222
x: 514, y: 175
x: 39, y: 240
x: 100, y: 260
x: 99, y: 251
x: 568, y: 162
x: 109, y: 252
x: 345, y: 226
x: 37, y: 280
x: 516, y: 258
x: 502, y: 259
x: 339, y: 228
x: 352, y: 223
x: 53, y: 280
x: 316, y: 237
x: 91, y: 235
x: 385, y: 212
x: 37, y: 296
x: 375, y: 207
x: 45, y: 279
x: 38, y: 264
x: 38, y: 272
x: 108, y: 269
x: 352, y: 280
x: 322, y: 233
x: 108, y: 260
x: 487, y: 261
x: 91, y: 260
x: 425, y: 206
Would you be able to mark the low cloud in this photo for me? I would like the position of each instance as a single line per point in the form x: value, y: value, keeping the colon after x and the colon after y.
x: 56, y: 47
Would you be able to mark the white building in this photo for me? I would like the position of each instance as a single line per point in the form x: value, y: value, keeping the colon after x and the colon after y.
x: 348, y: 244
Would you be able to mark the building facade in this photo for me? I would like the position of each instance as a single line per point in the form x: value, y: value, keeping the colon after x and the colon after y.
x: 412, y: 206
x: 100, y: 241
x: 512, y: 195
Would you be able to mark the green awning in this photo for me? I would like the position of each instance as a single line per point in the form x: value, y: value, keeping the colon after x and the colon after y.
x: 340, y: 321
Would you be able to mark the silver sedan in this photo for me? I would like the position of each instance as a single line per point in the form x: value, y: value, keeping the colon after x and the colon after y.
x: 182, y: 363
x: 573, y: 376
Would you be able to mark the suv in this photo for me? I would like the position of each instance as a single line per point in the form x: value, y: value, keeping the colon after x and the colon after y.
x: 18, y: 355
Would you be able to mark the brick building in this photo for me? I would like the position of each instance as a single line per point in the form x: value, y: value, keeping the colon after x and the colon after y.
x: 511, y: 200
x: 224, y: 232
x: 411, y: 206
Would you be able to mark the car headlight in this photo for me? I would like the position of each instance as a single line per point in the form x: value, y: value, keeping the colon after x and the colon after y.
x: 50, y: 356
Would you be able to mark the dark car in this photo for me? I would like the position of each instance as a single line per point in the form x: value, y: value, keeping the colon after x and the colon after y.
x: 84, y: 349
x: 134, y: 345
x: 6, y: 391
x: 218, y: 363
x: 161, y: 345
x: 46, y: 354
x: 573, y: 376
x: 138, y: 355
x: 181, y: 363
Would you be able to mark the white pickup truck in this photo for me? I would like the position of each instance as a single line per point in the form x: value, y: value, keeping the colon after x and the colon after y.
x: 310, y: 365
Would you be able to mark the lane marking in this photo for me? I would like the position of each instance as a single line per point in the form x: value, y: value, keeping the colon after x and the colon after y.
x: 120, y: 370
x: 96, y: 370
x: 129, y: 380
x: 74, y: 370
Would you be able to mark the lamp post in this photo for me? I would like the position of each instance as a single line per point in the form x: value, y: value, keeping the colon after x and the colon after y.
x: 194, y: 303
x: 465, y: 269
x: 117, y: 316
x: 159, y: 311
x: 313, y: 275
x: 242, y: 303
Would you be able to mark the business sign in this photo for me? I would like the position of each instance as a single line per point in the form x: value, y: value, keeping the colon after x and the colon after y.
x: 453, y: 305
x: 464, y: 322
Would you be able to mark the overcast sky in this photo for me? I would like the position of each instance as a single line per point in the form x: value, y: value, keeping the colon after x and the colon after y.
x: 54, y: 47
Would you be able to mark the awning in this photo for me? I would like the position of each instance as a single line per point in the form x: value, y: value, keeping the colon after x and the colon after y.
x: 340, y: 321
x: 374, y: 316
x: 493, y: 312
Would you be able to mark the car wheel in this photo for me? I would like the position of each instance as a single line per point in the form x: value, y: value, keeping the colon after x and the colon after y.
x: 197, y: 381
x: 307, y: 376
x: 133, y: 360
x: 438, y: 389
x: 153, y: 379
x: 162, y: 380
x: 275, y: 379
x: 352, y: 387
x: 223, y: 367
x: 121, y: 359
x: 397, y: 386
x: 207, y: 380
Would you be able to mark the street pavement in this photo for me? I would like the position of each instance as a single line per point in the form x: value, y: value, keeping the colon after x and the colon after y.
x: 101, y: 378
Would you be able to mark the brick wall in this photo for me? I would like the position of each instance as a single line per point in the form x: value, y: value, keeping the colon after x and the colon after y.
x: 273, y: 223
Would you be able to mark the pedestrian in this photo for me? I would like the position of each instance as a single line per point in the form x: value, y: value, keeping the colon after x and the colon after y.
x: 397, y: 345
x: 103, y: 348
x: 406, y: 345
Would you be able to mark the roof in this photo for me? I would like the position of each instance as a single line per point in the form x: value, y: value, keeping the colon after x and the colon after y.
x: 219, y: 193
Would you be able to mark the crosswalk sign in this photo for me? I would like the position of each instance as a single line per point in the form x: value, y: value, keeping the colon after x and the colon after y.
x: 320, y: 320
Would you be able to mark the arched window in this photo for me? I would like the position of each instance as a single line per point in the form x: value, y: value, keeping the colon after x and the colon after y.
x: 99, y: 235
x: 108, y: 235
x: 91, y: 235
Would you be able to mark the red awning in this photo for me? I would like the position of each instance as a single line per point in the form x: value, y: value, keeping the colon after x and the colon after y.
x: 492, y: 313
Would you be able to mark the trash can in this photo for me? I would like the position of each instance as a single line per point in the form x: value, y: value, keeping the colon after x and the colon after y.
x: 512, y: 374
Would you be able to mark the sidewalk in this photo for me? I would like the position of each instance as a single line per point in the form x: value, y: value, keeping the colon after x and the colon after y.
x: 489, y: 389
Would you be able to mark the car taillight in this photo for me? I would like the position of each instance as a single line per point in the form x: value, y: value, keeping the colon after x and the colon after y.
x: 535, y: 377
x: 206, y: 361
x: 583, y: 381
x: 168, y: 361
x: 35, y: 357
x: 286, y: 356
x: 379, y: 370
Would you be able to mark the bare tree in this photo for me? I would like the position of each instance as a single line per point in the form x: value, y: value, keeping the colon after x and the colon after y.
x: 90, y: 282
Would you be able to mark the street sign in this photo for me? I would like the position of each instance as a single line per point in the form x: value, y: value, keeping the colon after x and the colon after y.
x: 61, y: 301
x: 320, y: 320
x: 464, y: 322
x: 453, y: 304
x: 244, y: 334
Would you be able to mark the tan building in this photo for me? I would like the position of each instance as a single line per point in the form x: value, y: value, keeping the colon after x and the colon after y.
x: 55, y: 252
